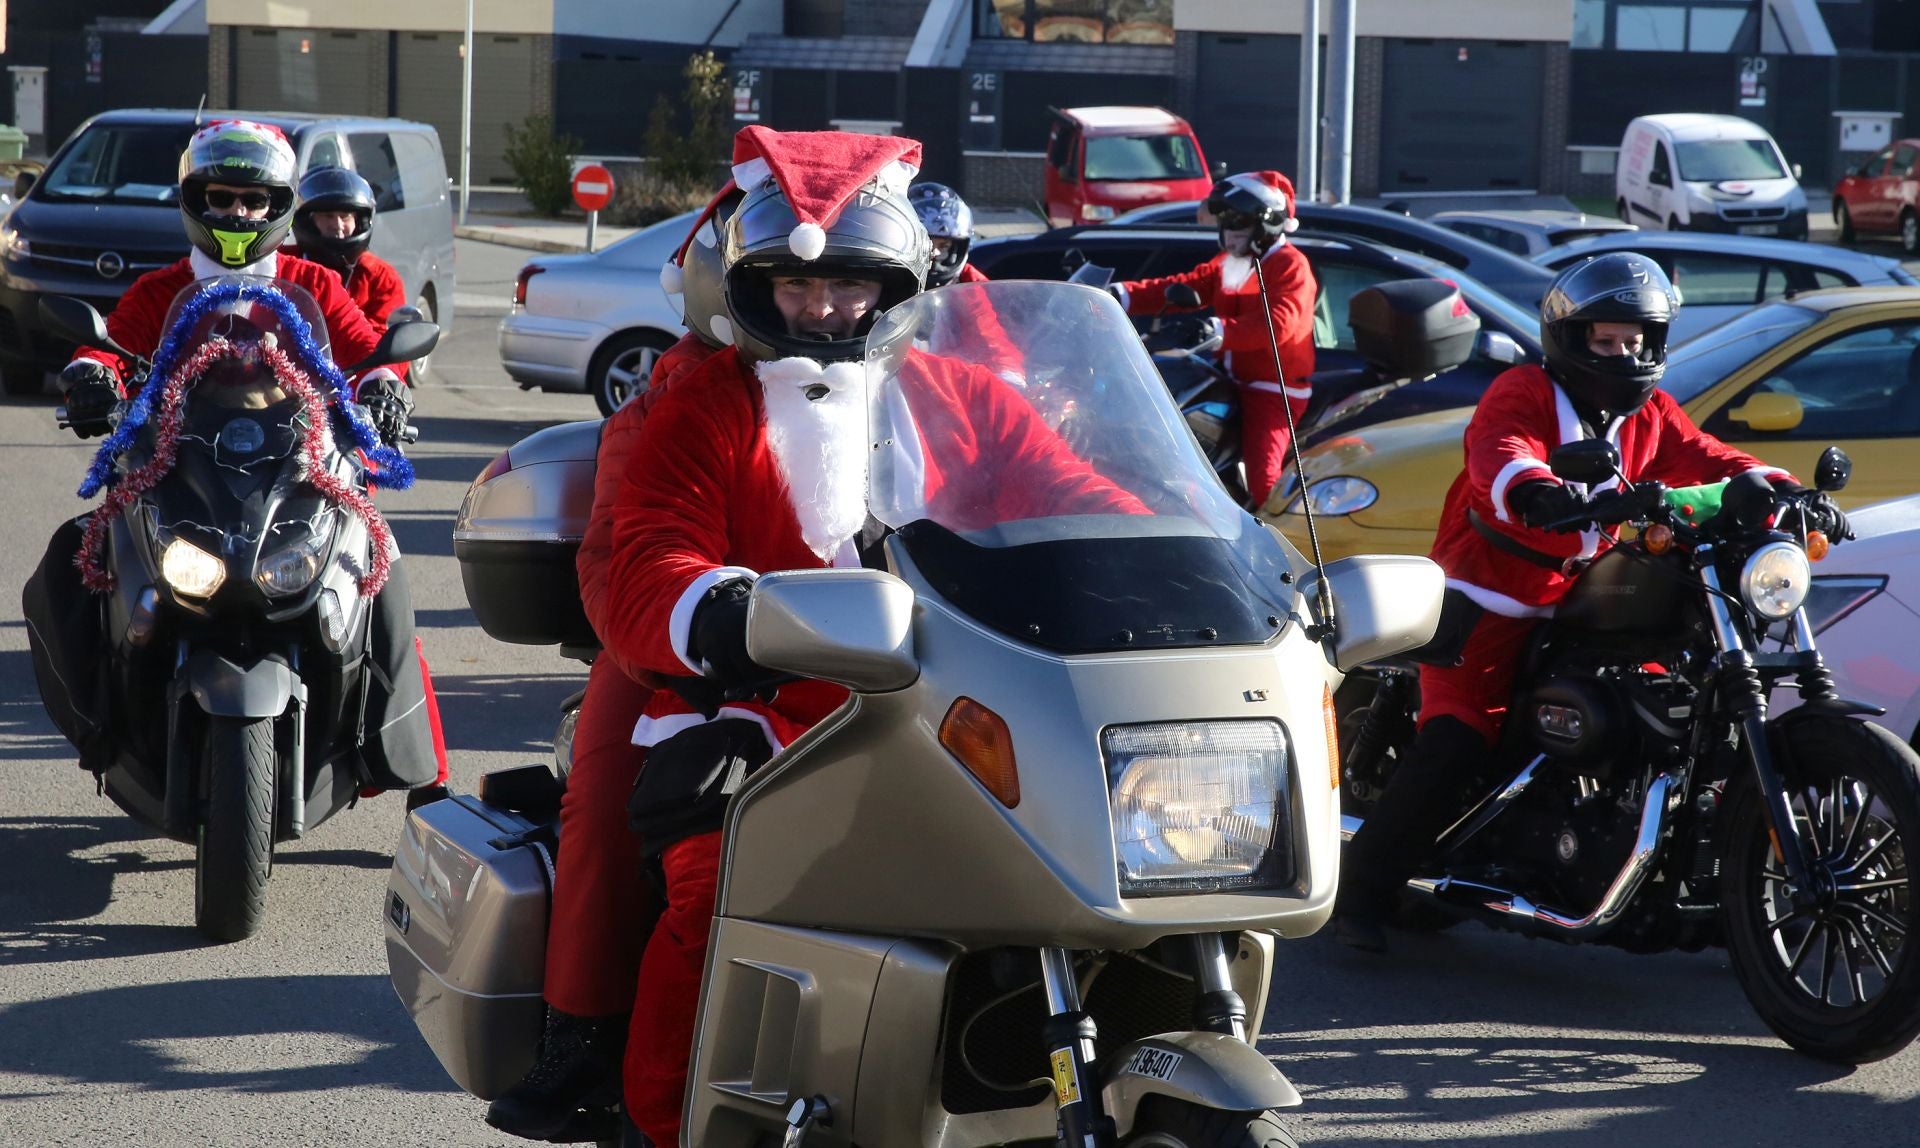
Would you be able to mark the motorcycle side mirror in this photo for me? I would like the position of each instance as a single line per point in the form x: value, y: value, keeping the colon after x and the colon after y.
x: 1589, y: 461
x: 402, y: 343
x: 1185, y: 297
x: 76, y: 321
x: 1833, y: 470
x: 1383, y: 605
x: 407, y: 314
x: 851, y: 627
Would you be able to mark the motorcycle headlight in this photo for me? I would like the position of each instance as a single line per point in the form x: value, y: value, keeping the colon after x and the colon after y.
x: 190, y: 570
x: 1776, y: 580
x: 290, y: 569
x: 1342, y: 494
x: 1199, y: 807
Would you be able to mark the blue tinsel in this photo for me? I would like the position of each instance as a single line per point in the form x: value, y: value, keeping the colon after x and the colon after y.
x: 391, y: 467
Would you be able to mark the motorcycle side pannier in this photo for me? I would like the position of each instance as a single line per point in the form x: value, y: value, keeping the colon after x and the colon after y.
x: 466, y: 927
x: 518, y: 533
x: 1412, y: 328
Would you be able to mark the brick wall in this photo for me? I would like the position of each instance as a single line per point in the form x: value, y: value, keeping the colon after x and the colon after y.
x: 1002, y: 179
x: 543, y: 76
x: 1369, y: 94
x: 1555, y: 87
x: 380, y: 97
x: 219, y: 65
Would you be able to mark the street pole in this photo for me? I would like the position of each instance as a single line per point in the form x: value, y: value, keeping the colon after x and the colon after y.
x: 1340, y: 102
x: 1306, y: 175
x: 466, y: 117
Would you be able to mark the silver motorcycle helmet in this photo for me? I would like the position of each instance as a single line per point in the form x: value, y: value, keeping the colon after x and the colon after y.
x: 698, y: 275
x: 876, y: 235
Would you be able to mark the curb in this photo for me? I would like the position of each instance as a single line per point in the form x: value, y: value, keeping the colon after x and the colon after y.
x: 501, y: 238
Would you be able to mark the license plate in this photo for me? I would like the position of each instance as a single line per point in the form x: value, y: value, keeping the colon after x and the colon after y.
x: 1759, y: 229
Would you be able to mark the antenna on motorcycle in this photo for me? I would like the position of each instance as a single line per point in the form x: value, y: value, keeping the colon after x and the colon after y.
x: 1325, y: 629
x: 200, y: 111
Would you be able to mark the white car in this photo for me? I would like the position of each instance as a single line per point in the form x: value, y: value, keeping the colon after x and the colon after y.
x: 1865, y: 610
x: 595, y: 322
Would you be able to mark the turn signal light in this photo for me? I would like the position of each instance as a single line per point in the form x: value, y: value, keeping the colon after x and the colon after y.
x: 978, y: 738
x: 1817, y: 545
x: 1658, y: 538
x: 1332, y: 722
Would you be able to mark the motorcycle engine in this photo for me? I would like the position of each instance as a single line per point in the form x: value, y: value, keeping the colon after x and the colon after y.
x: 1599, y: 720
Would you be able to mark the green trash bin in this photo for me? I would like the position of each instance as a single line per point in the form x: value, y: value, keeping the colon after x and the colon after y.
x: 13, y: 142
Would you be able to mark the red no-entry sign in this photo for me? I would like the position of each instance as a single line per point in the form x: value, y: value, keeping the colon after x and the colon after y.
x: 592, y: 187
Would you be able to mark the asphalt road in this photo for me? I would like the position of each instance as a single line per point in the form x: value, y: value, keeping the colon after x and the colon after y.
x: 118, y: 1025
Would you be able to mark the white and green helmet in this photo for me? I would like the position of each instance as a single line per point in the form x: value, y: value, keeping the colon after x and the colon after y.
x: 237, y: 153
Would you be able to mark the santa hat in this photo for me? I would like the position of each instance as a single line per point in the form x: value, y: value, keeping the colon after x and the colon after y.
x: 1284, y: 186
x: 819, y: 172
x: 672, y: 279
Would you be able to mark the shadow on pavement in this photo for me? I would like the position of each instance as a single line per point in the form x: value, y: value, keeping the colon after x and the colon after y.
x: 498, y: 714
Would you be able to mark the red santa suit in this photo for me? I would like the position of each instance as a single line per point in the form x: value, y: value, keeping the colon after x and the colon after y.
x: 374, y: 285
x: 1521, y: 418
x: 1227, y: 284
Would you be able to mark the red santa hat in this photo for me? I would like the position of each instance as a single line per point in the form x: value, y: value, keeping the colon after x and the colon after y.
x: 672, y: 279
x: 819, y: 172
x: 1284, y: 186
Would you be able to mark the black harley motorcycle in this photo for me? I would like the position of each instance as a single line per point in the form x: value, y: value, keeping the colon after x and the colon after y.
x: 1643, y: 797
x: 222, y: 688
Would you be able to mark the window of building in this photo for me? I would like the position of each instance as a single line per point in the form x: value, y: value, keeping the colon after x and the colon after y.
x: 1714, y: 29
x: 1589, y: 23
x: 1076, y: 21
x: 1646, y: 28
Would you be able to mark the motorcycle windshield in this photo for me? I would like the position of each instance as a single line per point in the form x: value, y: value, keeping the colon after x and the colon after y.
x: 1031, y: 460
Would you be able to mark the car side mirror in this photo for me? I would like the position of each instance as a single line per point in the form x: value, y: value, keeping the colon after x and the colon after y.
x: 851, y: 627
x: 1383, y: 605
x: 1500, y: 347
x: 1769, y: 412
x: 1833, y: 470
x: 76, y: 321
x: 1589, y: 461
x: 1796, y: 171
x: 403, y: 343
x: 1184, y: 296
x: 22, y: 184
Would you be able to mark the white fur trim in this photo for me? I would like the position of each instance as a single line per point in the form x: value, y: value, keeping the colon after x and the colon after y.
x: 1563, y: 410
x: 721, y: 328
x: 1291, y: 225
x: 1235, y: 270
x: 1276, y: 388
x: 672, y: 279
x: 651, y: 731
x: 808, y: 241
x: 1768, y: 471
x: 681, y: 620
x: 896, y: 176
x: 1503, y: 480
x: 821, y: 446
x: 1305, y: 392
x: 206, y: 267
x: 751, y: 174
x: 1498, y: 603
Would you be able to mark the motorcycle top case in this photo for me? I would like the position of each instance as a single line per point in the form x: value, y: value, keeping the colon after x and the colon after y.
x: 1412, y: 328
x: 466, y: 928
x: 518, y: 533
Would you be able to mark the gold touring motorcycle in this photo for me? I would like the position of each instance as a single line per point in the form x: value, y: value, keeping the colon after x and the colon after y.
x: 1024, y: 886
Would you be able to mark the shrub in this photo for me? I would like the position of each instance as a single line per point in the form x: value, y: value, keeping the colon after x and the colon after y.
x: 542, y: 162
x: 648, y: 199
x: 686, y: 159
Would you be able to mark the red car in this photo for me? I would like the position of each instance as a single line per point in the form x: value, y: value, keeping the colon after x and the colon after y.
x: 1103, y: 162
x: 1878, y: 196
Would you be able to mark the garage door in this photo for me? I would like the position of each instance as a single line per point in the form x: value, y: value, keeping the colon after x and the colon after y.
x: 1460, y: 115
x: 1247, y: 100
x: 306, y: 70
x: 426, y: 87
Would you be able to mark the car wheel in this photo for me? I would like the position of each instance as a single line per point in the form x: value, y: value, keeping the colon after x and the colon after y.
x: 421, y: 369
x: 1910, y: 232
x: 1843, y: 219
x: 622, y: 366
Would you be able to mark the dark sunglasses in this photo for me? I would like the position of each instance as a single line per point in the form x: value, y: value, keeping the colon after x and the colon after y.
x: 251, y: 200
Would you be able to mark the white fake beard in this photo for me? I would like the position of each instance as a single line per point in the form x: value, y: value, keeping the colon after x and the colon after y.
x: 820, y: 445
x: 1235, y: 270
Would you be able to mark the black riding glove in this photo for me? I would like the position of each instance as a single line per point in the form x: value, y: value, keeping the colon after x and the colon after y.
x: 388, y: 402
x: 1821, y: 513
x: 717, y: 636
x: 91, y: 393
x: 1612, y: 507
x: 1547, y: 505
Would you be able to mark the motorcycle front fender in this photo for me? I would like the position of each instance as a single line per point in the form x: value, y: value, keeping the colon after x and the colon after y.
x: 227, y: 689
x: 1206, y: 1069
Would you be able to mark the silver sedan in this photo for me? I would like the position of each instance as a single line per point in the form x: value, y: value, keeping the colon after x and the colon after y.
x: 595, y: 322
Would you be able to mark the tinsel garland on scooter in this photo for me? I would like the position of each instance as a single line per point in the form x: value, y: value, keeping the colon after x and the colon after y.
x: 168, y: 382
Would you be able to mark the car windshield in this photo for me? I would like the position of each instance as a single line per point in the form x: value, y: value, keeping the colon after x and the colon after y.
x: 1712, y: 161
x: 1142, y: 157
x: 1699, y: 363
x: 119, y: 163
x: 1030, y: 458
x: 651, y: 246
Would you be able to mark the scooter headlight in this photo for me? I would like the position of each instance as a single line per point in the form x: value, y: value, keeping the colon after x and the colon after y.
x: 290, y: 569
x: 1775, y: 580
x: 1199, y: 807
x: 190, y: 570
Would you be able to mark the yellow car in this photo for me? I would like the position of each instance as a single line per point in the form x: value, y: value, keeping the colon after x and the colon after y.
x: 1782, y: 381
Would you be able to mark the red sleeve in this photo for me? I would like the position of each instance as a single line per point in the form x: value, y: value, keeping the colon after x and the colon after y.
x: 1686, y: 455
x: 385, y: 292
x: 1292, y: 292
x: 971, y: 274
x: 1147, y: 296
x: 617, y: 438
x: 351, y: 337
x: 669, y: 512
x: 1509, y: 437
x: 136, y: 318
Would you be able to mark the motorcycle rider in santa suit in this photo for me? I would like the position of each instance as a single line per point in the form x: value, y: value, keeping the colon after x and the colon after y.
x: 1513, y: 538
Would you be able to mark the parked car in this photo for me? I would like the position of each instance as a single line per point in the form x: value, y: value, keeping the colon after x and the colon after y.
x: 106, y: 211
x: 1782, y: 381
x: 595, y: 322
x: 1529, y: 232
x: 1503, y: 271
x: 1720, y: 276
x: 1103, y: 161
x: 1865, y: 610
x: 1691, y: 172
x: 1877, y: 196
x: 1343, y: 267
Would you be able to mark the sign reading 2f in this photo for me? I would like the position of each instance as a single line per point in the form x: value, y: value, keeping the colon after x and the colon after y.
x: 749, y: 94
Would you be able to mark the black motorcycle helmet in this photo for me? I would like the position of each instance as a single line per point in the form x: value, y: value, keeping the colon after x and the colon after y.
x: 1257, y: 201
x: 238, y: 153
x: 1621, y: 287
x: 945, y: 216
x: 334, y: 189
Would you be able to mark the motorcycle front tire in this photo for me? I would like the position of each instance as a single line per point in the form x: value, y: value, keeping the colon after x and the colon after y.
x: 1870, y: 851
x: 234, y: 854
x: 1163, y: 1122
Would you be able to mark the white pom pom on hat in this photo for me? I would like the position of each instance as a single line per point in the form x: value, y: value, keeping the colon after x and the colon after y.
x: 808, y: 241
x: 672, y: 278
x: 1291, y: 225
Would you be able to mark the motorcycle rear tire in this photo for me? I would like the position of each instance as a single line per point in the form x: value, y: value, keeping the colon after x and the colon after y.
x: 1163, y: 1122
x: 235, y: 849
x: 1815, y: 754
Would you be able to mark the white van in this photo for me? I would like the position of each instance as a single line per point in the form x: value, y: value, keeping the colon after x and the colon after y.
x: 1690, y: 172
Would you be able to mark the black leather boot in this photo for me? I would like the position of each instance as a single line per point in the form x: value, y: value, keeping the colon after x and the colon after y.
x: 578, y: 1069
